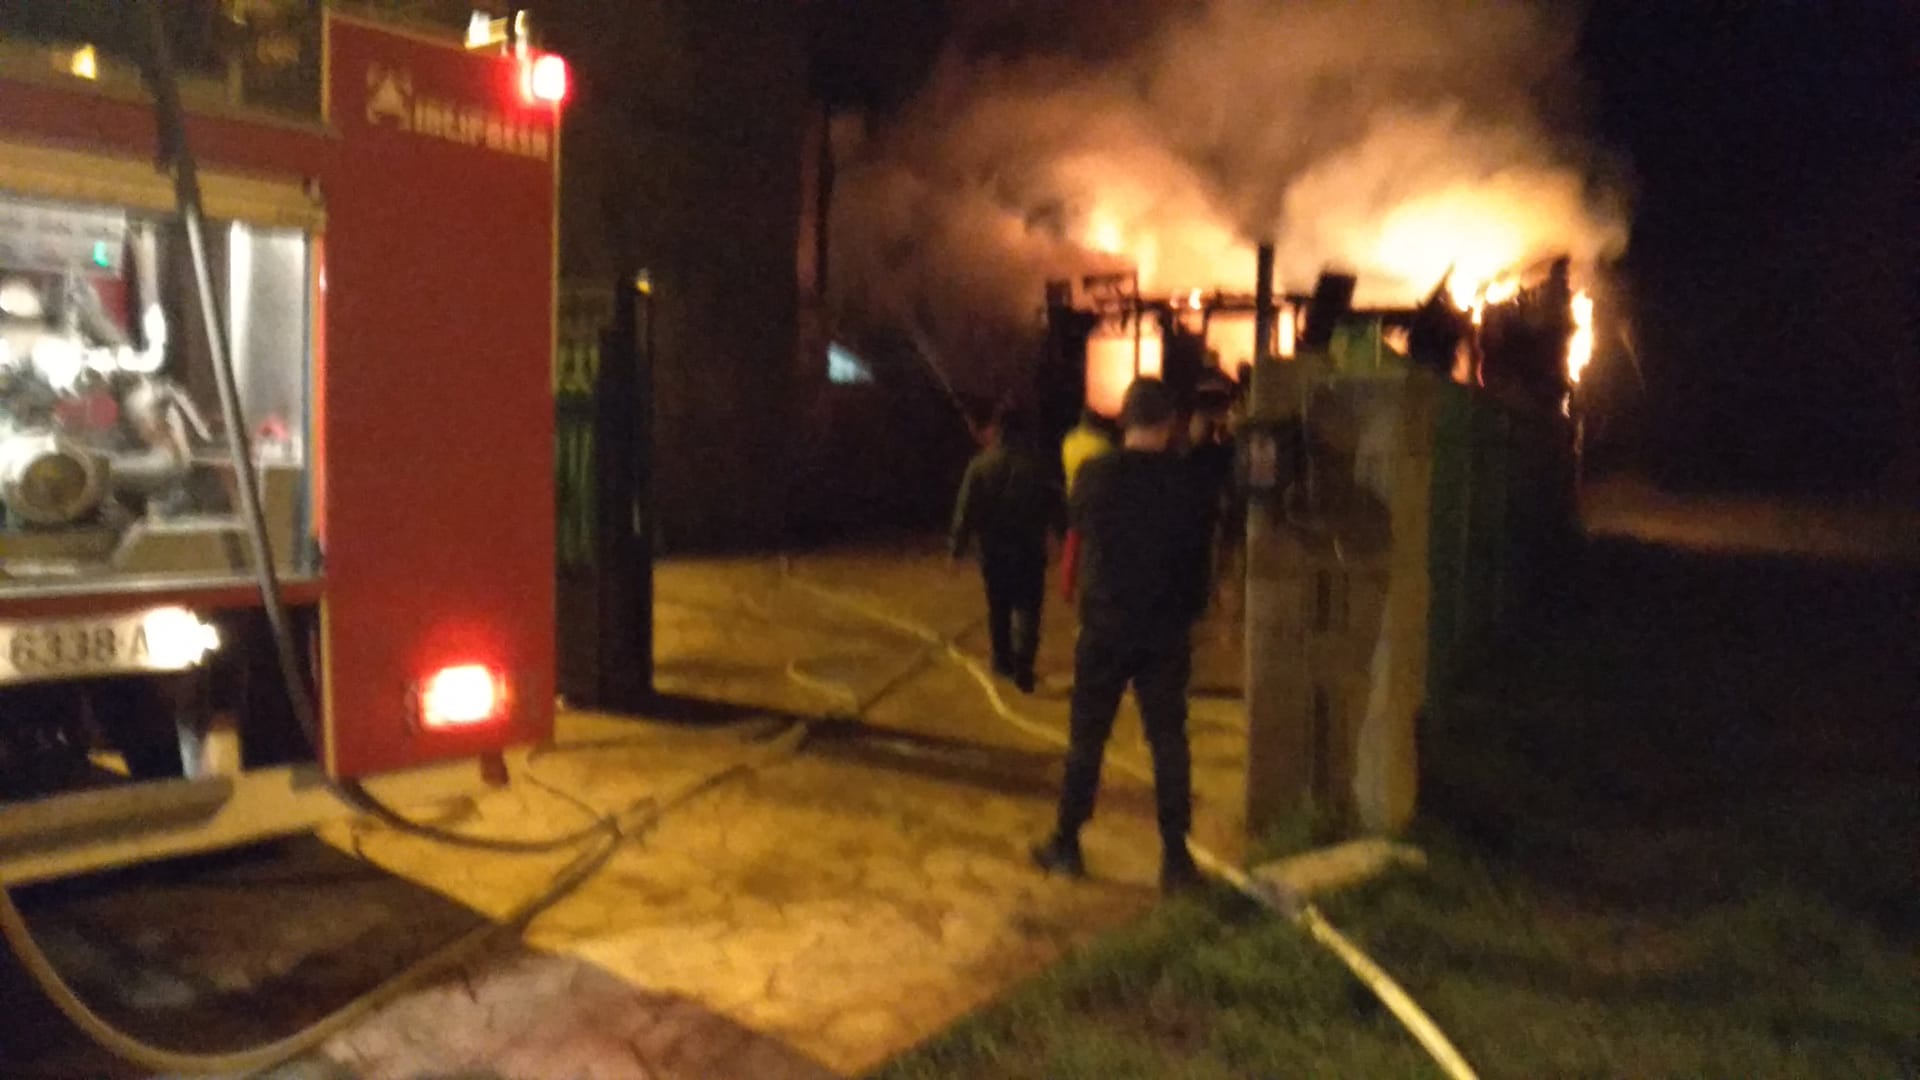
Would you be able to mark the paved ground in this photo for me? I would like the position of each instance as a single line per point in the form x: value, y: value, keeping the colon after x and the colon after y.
x: 712, y: 614
x: 811, y: 918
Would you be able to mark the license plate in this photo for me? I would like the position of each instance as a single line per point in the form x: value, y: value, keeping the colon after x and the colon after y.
x: 161, y: 640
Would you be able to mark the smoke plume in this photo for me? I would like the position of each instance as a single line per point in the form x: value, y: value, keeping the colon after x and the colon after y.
x: 1392, y: 139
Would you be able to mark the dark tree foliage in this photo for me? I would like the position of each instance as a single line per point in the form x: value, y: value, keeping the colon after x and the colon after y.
x: 274, y: 45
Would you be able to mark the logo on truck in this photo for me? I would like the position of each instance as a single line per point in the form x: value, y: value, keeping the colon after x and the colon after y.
x: 389, y: 96
x: 393, y: 102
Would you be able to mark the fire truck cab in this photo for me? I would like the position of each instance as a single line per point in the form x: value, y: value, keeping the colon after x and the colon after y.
x: 381, y: 244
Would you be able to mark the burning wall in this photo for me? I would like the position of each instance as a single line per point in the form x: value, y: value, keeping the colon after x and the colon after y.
x: 1394, y: 140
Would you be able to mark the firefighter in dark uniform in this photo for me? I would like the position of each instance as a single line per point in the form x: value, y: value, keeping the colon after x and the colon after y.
x: 1141, y: 521
x: 1011, y: 503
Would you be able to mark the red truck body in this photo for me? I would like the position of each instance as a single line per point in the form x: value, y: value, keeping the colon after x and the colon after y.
x: 429, y: 468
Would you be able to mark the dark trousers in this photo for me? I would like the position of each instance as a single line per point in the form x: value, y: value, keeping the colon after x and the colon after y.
x: 1103, y: 666
x: 1015, y: 586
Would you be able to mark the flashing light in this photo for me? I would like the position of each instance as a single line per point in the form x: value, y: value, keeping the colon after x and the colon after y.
x: 462, y: 696
x: 483, y: 30
x: 544, y: 79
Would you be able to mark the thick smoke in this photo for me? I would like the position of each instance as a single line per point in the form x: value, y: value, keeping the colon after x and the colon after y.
x: 1391, y: 139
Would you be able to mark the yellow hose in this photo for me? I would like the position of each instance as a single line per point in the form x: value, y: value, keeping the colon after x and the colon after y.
x: 1298, y: 910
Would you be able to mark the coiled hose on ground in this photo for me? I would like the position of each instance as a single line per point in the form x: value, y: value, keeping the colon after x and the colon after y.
x: 1300, y: 911
x: 630, y: 822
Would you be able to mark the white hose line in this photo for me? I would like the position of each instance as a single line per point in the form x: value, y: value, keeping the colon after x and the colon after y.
x: 838, y: 692
x: 1299, y: 911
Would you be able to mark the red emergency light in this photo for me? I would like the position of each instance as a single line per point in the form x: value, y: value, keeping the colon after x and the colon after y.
x: 461, y: 696
x: 544, y: 79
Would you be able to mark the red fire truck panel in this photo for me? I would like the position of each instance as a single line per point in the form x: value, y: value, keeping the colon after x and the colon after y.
x: 432, y: 287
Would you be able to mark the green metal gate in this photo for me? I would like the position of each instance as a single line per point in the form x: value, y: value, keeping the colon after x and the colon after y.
x: 586, y: 312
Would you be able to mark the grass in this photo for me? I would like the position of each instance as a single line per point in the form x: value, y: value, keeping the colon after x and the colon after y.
x: 1679, y: 842
x: 1777, y: 984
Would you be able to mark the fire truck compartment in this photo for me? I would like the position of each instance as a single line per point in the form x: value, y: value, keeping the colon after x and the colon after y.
x: 114, y: 468
x: 382, y: 254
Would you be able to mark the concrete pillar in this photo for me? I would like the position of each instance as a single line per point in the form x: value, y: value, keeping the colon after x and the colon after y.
x: 1386, y: 766
x: 1279, y: 741
x: 1337, y: 601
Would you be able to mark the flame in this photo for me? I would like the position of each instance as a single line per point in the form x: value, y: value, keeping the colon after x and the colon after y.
x: 1455, y: 230
x: 1289, y: 331
x: 1475, y: 233
x: 1498, y: 291
x: 1111, y: 364
x: 1463, y: 292
x: 1104, y: 235
x: 1580, y: 346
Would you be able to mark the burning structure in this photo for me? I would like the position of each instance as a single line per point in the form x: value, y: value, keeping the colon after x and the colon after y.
x: 1141, y: 155
x: 1526, y: 336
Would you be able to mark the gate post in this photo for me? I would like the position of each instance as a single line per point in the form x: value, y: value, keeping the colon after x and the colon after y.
x: 603, y: 400
x: 585, y: 313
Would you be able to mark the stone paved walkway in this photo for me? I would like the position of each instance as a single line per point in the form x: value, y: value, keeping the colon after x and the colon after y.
x: 858, y: 898
x: 813, y: 918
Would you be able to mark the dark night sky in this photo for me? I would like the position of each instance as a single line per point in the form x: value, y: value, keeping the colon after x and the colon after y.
x: 1774, y: 154
x: 1774, y: 148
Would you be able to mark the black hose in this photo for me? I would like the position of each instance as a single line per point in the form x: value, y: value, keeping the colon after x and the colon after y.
x: 175, y: 152
x: 163, y: 80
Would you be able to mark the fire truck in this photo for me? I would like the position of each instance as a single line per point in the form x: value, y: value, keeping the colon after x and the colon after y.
x: 351, y: 317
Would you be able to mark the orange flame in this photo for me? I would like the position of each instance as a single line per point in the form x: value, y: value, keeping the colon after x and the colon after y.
x: 1580, y: 346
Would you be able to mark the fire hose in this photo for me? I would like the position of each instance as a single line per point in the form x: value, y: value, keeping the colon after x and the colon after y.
x: 614, y: 829
x: 1296, y: 909
x: 176, y: 153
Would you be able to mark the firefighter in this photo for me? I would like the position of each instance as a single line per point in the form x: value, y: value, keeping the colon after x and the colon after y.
x: 1009, y: 502
x: 1087, y: 440
x: 1140, y: 526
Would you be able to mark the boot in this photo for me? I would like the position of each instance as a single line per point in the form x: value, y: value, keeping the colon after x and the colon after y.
x: 1060, y: 854
x: 1178, y: 874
